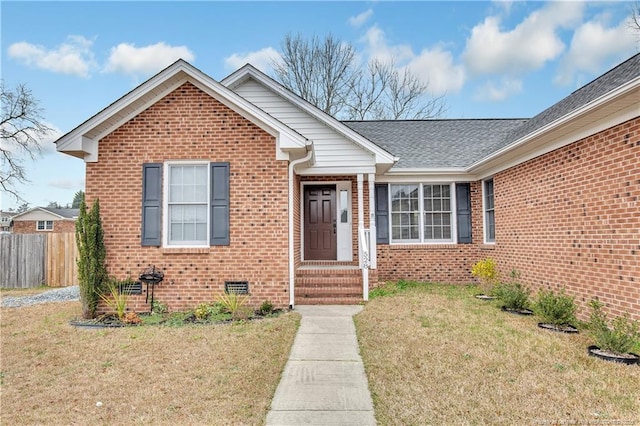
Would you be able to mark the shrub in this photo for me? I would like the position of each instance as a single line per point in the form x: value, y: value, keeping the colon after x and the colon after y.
x: 91, y: 257
x: 513, y: 294
x: 115, y: 299
x: 556, y: 309
x: 486, y: 271
x: 202, y: 311
x: 233, y: 302
x: 265, y: 308
x: 620, y: 338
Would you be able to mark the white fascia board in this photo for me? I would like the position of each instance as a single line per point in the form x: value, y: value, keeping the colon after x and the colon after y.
x: 76, y: 140
x: 334, y: 171
x: 426, y: 175
x: 248, y: 71
x: 481, y: 166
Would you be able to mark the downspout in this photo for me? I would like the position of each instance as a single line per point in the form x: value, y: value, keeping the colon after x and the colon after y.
x: 292, y: 272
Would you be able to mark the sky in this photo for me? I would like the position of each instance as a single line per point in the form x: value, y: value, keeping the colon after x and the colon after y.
x: 489, y: 59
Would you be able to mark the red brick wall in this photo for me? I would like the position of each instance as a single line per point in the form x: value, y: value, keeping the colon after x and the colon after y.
x: 448, y: 263
x: 571, y: 218
x: 188, y: 124
x: 29, y: 227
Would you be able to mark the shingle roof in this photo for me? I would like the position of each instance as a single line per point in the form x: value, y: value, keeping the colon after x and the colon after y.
x: 461, y: 143
x: 437, y: 143
x: 616, y: 77
x: 67, y: 213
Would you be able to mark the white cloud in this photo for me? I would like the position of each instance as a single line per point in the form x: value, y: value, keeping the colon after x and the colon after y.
x: 500, y: 91
x: 261, y: 59
x: 358, y: 20
x: 126, y: 58
x: 593, y: 46
x: 433, y: 66
x: 533, y: 42
x: 436, y: 68
x: 73, y: 57
x: 46, y: 143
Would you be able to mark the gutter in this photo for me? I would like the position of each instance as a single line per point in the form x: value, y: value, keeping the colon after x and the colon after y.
x: 292, y: 275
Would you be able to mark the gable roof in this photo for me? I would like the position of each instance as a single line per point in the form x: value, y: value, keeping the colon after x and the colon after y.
x: 437, y: 144
x: 82, y: 141
x: 248, y: 71
x: 61, y: 214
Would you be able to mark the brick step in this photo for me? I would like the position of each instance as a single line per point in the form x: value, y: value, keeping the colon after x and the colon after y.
x: 329, y: 300
x: 328, y: 272
x: 329, y: 291
x: 309, y: 281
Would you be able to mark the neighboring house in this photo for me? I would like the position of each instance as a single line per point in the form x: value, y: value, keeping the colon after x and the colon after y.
x: 5, y: 222
x: 242, y: 182
x: 45, y: 219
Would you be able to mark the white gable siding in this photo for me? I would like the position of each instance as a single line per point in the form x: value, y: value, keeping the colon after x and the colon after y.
x: 332, y: 149
x: 38, y: 215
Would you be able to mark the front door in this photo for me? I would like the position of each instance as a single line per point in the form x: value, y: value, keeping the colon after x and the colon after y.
x: 320, y: 222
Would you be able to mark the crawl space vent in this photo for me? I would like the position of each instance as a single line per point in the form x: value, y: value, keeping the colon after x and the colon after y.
x: 237, y: 287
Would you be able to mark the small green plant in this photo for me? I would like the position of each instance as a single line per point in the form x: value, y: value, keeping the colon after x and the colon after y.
x: 115, y: 299
x: 620, y: 338
x: 486, y: 271
x: 266, y: 308
x: 202, y: 311
x: 513, y: 295
x: 233, y: 303
x: 159, y: 308
x: 556, y: 309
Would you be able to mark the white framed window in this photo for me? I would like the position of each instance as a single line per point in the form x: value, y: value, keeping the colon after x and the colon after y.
x: 44, y: 225
x: 187, y: 204
x: 489, y: 212
x: 422, y: 213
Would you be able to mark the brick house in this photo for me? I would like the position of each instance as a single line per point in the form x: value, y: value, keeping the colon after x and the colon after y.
x: 241, y: 182
x: 45, y: 219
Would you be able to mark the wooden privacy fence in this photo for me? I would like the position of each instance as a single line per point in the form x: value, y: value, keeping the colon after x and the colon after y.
x: 30, y: 260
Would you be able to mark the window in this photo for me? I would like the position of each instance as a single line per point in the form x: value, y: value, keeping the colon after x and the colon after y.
x: 489, y: 213
x: 44, y: 225
x: 189, y: 207
x: 188, y: 202
x: 421, y: 213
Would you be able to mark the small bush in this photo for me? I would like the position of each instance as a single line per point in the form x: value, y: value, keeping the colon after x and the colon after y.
x: 202, y: 311
x: 266, y: 308
x: 556, y: 309
x: 233, y: 303
x: 513, y: 294
x: 159, y: 307
x: 115, y: 299
x: 620, y: 338
x: 486, y: 271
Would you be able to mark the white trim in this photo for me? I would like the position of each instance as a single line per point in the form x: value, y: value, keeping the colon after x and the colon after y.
x: 165, y: 203
x: 484, y: 210
x: 453, y: 218
x: 344, y: 230
x: 434, y: 178
x: 360, y: 179
x: 373, y: 262
x: 329, y: 171
x: 248, y: 71
x: 44, y: 227
x: 337, y: 184
x: 77, y: 143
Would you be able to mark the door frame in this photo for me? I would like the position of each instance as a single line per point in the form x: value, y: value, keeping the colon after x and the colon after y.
x: 344, y: 233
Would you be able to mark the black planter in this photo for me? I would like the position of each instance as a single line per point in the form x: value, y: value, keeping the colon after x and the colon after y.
x: 484, y: 297
x: 569, y: 329
x: 517, y: 311
x: 630, y: 359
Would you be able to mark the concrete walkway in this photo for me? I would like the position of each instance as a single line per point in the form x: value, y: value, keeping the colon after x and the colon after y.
x: 323, y: 382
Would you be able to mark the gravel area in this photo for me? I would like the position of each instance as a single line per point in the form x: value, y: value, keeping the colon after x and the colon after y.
x: 64, y: 294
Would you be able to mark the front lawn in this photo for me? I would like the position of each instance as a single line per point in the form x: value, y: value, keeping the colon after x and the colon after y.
x: 435, y: 355
x: 53, y: 373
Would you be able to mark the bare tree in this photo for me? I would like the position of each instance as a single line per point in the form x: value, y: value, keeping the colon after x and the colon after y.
x: 635, y: 17
x: 21, y: 131
x: 326, y: 73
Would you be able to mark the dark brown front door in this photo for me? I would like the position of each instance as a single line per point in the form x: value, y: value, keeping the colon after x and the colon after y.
x: 320, y: 222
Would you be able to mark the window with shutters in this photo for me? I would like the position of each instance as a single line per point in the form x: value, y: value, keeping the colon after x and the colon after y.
x: 188, y: 204
x: 422, y: 213
x: 489, y: 212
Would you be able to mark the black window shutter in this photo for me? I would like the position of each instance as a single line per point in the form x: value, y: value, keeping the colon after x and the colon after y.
x: 382, y: 214
x: 220, y: 204
x: 151, y: 204
x: 463, y: 203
